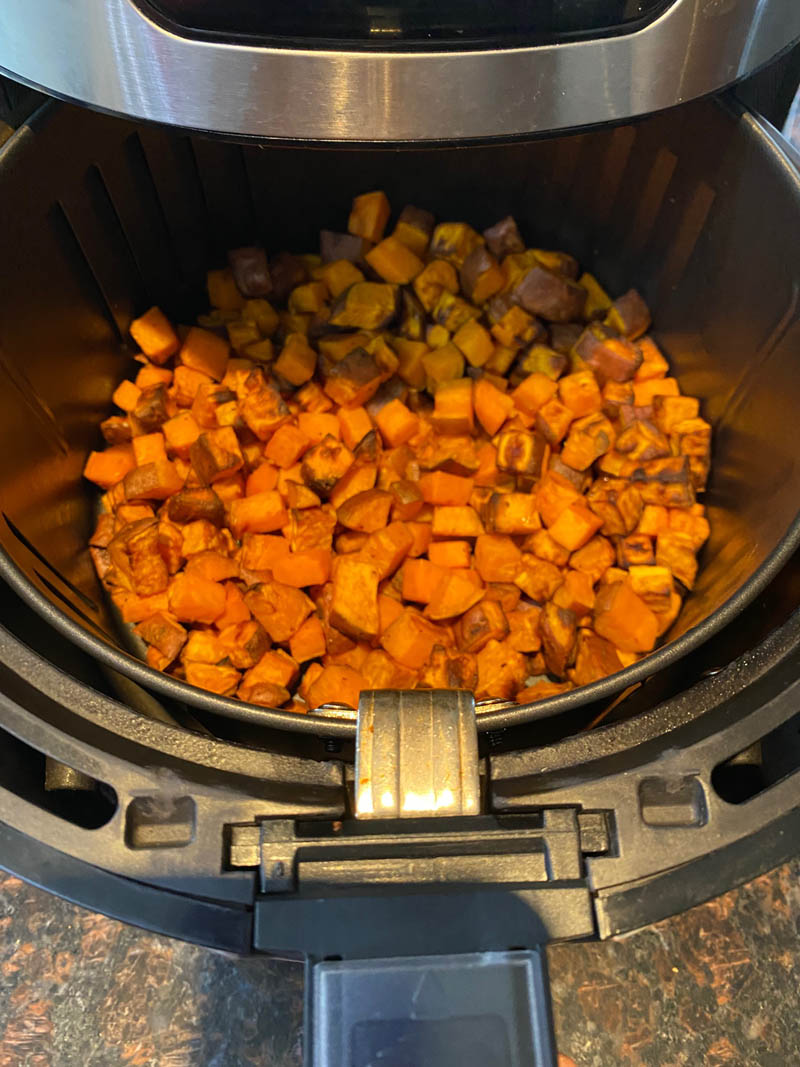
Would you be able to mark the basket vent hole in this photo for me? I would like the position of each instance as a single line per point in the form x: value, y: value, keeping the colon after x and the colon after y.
x: 31, y: 547
x: 764, y: 763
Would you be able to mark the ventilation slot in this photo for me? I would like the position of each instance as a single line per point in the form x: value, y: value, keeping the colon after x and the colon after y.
x: 763, y: 764
x: 68, y: 603
x: 53, y: 787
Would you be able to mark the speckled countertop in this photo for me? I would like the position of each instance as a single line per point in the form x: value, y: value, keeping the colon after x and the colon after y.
x: 716, y: 986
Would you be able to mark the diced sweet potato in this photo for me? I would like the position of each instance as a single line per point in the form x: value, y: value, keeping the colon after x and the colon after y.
x: 520, y: 452
x: 624, y: 619
x: 454, y: 594
x: 451, y: 554
x: 309, y: 641
x: 300, y: 569
x: 216, y: 454
x: 542, y: 545
x: 336, y: 685
x: 354, y: 379
x: 410, y: 638
x: 214, y: 677
x: 504, y: 237
x: 512, y: 513
x: 354, y: 604
x: 365, y: 306
x: 155, y: 336
x: 595, y: 658
x: 387, y: 548
x: 501, y: 670
x: 193, y: 598
x: 484, y: 622
x: 164, y: 633
x: 575, y: 526
x: 260, y: 513
x: 108, y: 468
x: 611, y: 357
x: 558, y: 627
x: 576, y: 593
x: 152, y: 481
x: 325, y: 464
x: 369, y: 215
x: 541, y: 691
x: 497, y: 558
x: 280, y: 609
x: 454, y: 241
x: 366, y: 512
x: 456, y: 522
x: 523, y: 626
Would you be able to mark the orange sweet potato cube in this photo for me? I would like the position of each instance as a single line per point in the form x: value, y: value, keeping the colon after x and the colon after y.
x: 155, y: 336
x: 575, y: 526
x: 624, y: 619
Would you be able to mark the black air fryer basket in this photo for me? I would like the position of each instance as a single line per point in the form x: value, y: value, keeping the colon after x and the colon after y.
x: 232, y: 825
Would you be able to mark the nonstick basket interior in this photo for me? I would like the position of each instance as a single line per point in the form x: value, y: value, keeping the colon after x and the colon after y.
x: 698, y: 208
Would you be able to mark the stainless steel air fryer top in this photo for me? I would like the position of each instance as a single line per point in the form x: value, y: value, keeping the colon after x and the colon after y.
x: 396, y: 70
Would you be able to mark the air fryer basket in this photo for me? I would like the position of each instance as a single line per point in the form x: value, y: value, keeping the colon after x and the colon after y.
x: 698, y: 208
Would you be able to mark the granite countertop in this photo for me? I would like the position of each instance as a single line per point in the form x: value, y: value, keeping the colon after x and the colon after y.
x: 716, y: 986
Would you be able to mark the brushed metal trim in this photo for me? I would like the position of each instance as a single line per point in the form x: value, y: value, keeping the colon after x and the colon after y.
x: 109, y: 55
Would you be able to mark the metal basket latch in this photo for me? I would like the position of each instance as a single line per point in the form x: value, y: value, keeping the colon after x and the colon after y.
x: 416, y: 754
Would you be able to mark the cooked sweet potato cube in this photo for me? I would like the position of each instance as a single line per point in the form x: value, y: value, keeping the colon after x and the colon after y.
x: 204, y: 646
x: 116, y: 430
x: 394, y: 261
x: 355, y: 424
x: 666, y: 482
x: 380, y: 671
x: 452, y: 312
x: 201, y: 536
x: 155, y: 336
x: 553, y: 421
x: 261, y: 405
x: 501, y: 671
x: 611, y: 357
x: 484, y: 622
x: 152, y: 481
x: 410, y: 639
x: 274, y: 667
x: 214, y: 677
x: 205, y: 352
x: 676, y: 551
x: 223, y: 293
x: 541, y: 691
x: 589, y: 438
x: 441, y: 488
x: 110, y: 467
x: 201, y: 503
x: 454, y: 241
x: 532, y: 394
x: 692, y: 525
x: 453, y: 411
x: 504, y: 237
x: 360, y: 478
x: 260, y: 552
x: 260, y: 513
x: 552, y: 297
x: 365, y: 306
x: 420, y: 579
x: 216, y: 454
x: 580, y: 393
x: 297, y: 360
x: 337, y: 246
x: 279, y: 608
x: 558, y: 628
x: 553, y: 495
x: 512, y: 326
x: 668, y: 411
x: 396, y: 423
x: 454, y: 594
x: 387, y: 548
x: 542, y: 545
x: 311, y: 566
x: 597, y: 299
x: 523, y: 625
x: 442, y: 365
x: 437, y: 277
x: 354, y: 604
x: 506, y: 594
x: 635, y: 550
x: 629, y: 315
x: 311, y: 528
x: 164, y: 633
x: 520, y: 452
x: 653, y: 364
x: 309, y: 641
x: 353, y: 380
x: 480, y: 275
x: 152, y: 409
x: 406, y: 500
x: 537, y: 578
x: 451, y: 554
x: 456, y: 522
x: 491, y: 406
x: 575, y: 526
x: 193, y: 598
x: 266, y: 695
x: 576, y: 593
x: 336, y: 685
x: 595, y: 658
x: 641, y: 440
x: 367, y: 511
x: 325, y: 464
x: 653, y: 520
x: 497, y: 558
x: 691, y: 436
x: 644, y: 393
x: 624, y: 619
x: 654, y: 585
x: 512, y: 513
x: 369, y: 215
x: 212, y: 565
x: 414, y: 228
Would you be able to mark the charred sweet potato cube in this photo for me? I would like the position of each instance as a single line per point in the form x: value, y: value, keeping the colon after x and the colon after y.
x: 152, y: 481
x: 512, y: 513
x: 152, y: 409
x: 635, y: 550
x: 541, y: 359
x: 354, y: 379
x: 504, y: 237
x: 558, y: 629
x: 624, y: 619
x: 549, y: 295
x: 336, y: 246
x: 595, y: 658
x: 369, y: 215
x: 501, y: 670
x: 325, y: 464
x: 366, y: 306
x: 520, y: 452
x: 612, y: 358
x: 261, y: 405
x: 666, y: 482
x: 250, y: 271
x: 575, y: 526
x: 588, y: 439
x: 164, y: 633
x: 641, y: 440
x: 454, y: 241
x: 676, y: 551
x: 480, y: 275
x: 366, y: 512
x: 201, y: 503
x: 629, y: 315
x: 216, y: 454
x: 482, y: 623
x: 553, y: 420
